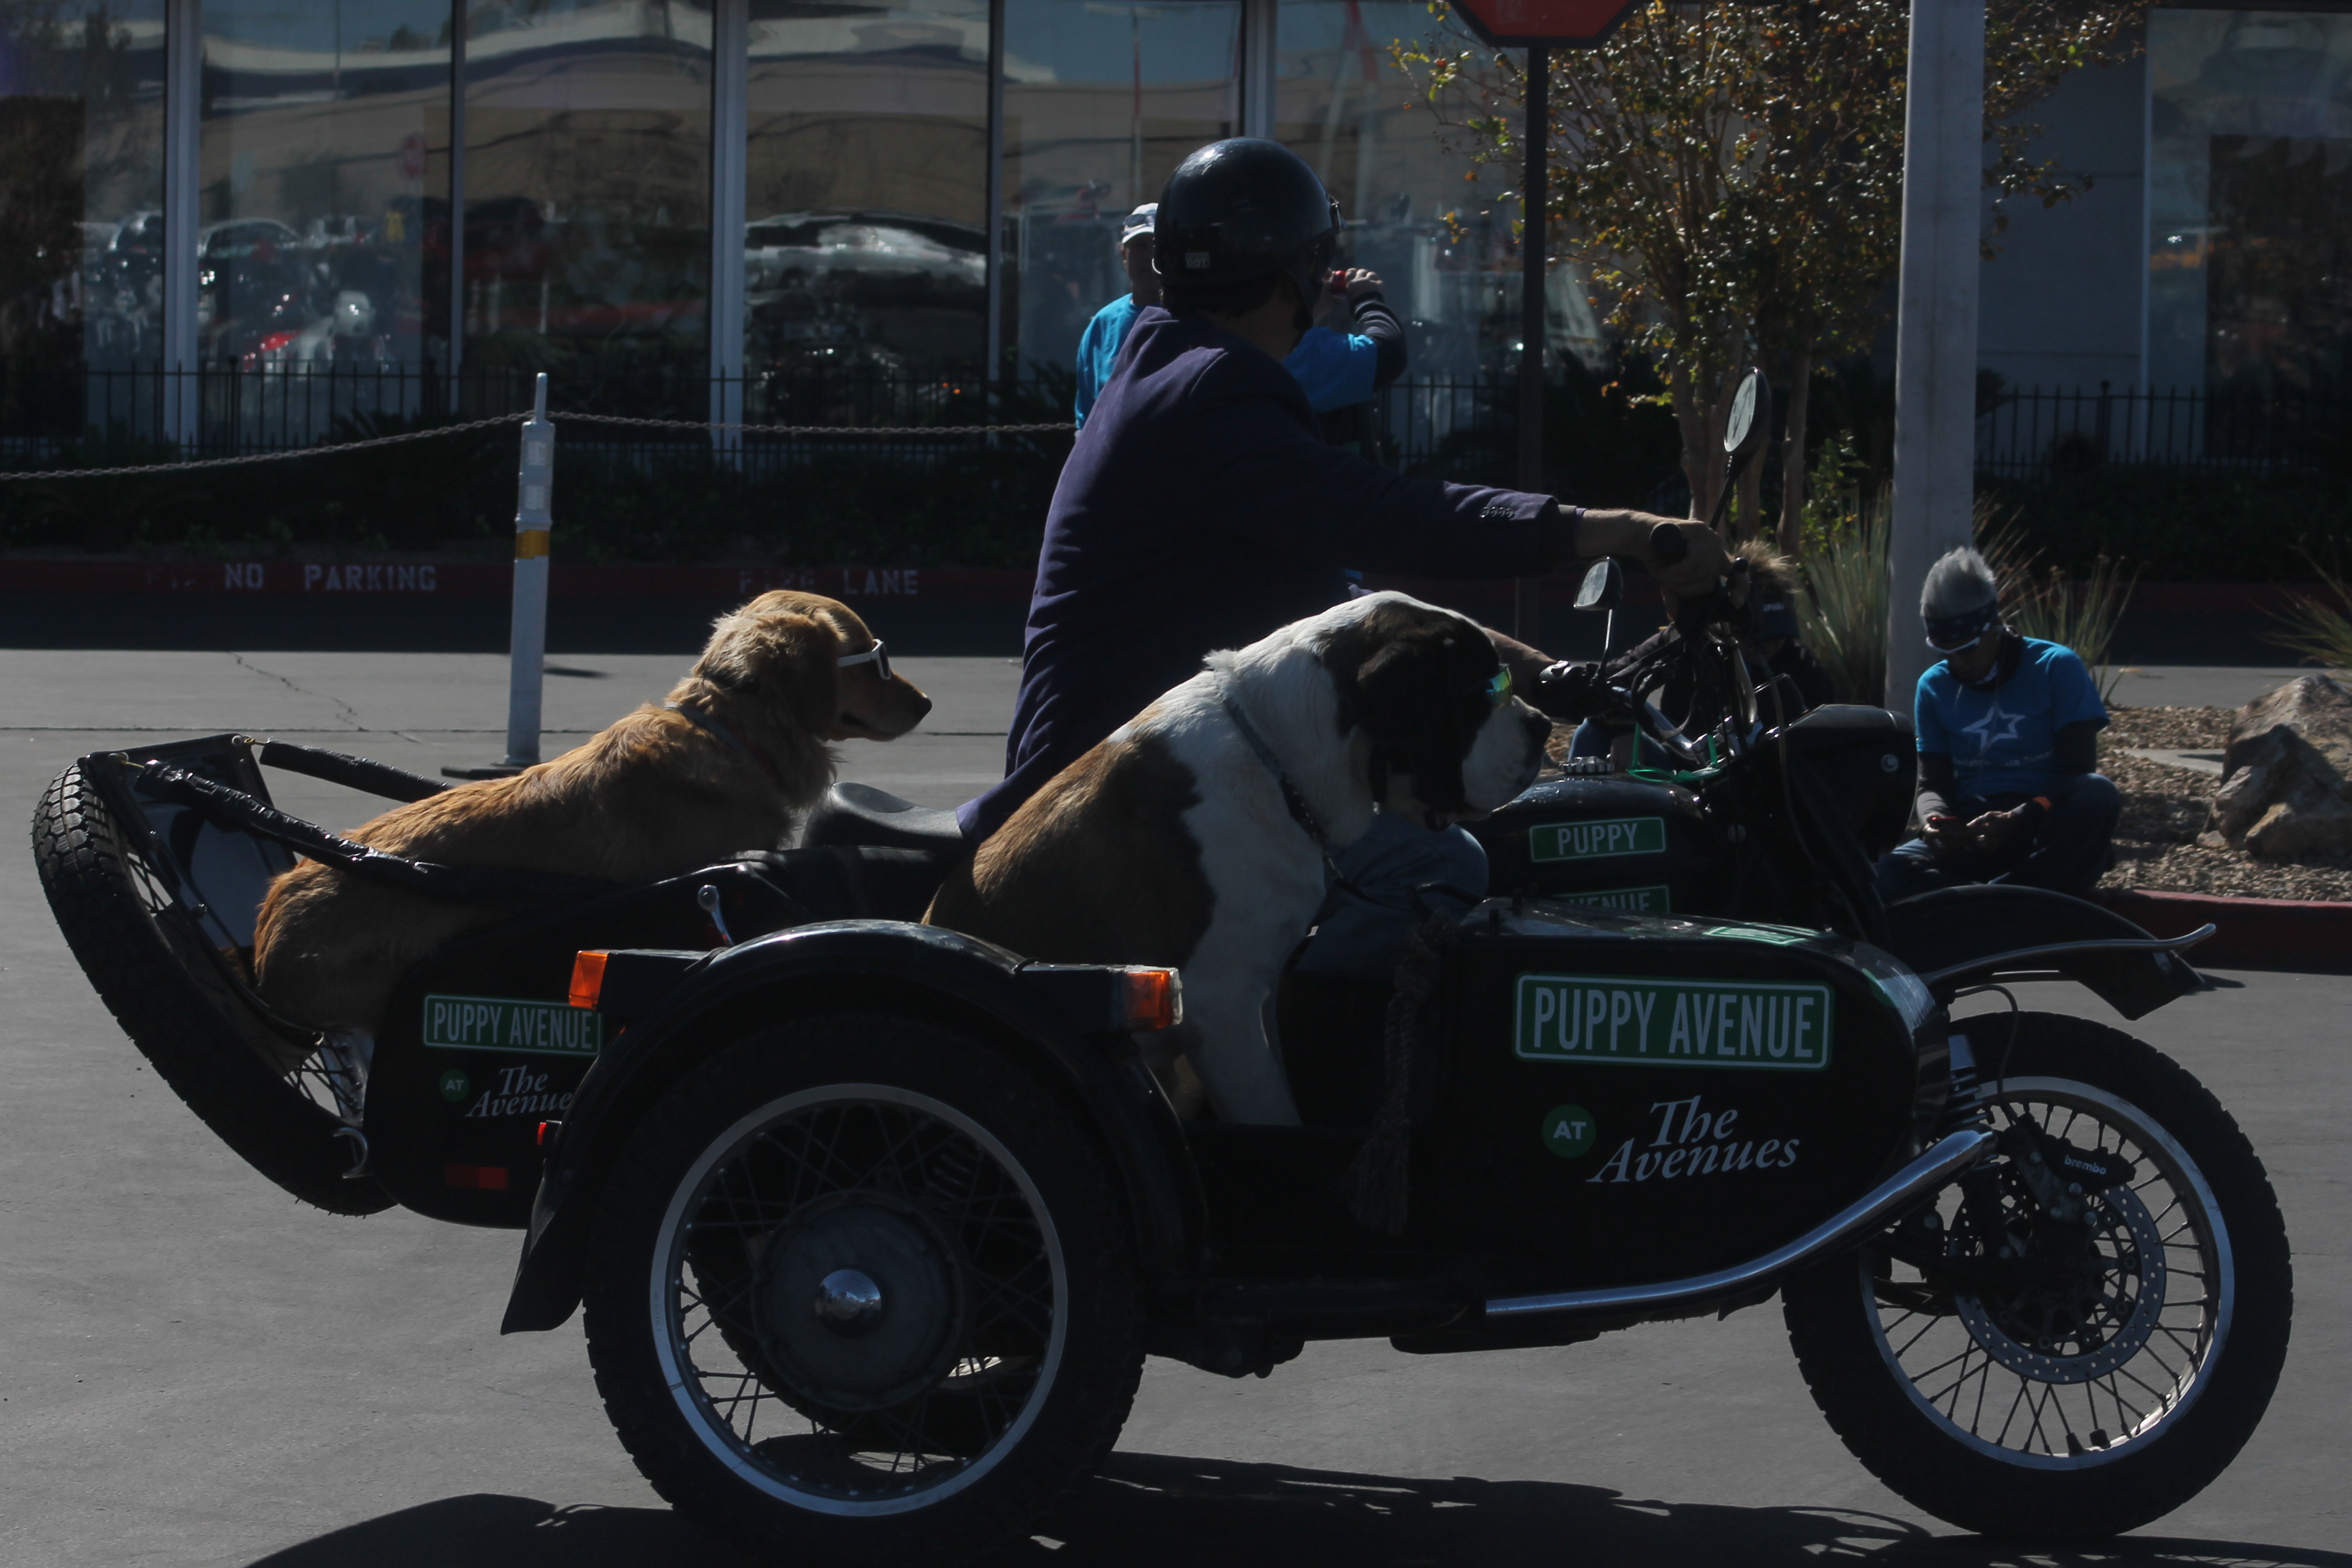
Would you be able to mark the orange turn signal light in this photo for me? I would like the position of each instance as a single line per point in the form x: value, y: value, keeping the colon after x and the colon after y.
x: 1150, y: 999
x: 588, y: 979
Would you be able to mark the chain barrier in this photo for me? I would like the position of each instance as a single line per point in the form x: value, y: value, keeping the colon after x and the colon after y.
x: 294, y: 452
x: 286, y: 456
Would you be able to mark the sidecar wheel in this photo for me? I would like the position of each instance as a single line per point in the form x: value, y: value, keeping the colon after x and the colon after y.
x: 912, y: 1251
x: 113, y: 923
x: 2116, y: 1377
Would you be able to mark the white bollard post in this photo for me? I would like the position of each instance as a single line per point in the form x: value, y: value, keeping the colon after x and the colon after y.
x: 527, y: 637
x: 526, y: 642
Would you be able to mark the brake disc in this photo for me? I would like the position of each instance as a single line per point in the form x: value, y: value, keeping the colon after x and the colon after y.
x: 2106, y: 1314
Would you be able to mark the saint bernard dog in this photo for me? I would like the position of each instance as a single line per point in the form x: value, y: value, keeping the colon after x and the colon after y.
x: 1198, y: 834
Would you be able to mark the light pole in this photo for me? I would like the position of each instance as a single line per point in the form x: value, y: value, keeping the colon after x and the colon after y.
x: 1934, y: 503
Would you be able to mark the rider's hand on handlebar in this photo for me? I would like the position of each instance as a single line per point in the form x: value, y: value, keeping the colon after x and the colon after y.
x: 1704, y: 561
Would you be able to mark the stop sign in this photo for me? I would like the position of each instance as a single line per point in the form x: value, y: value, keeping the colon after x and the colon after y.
x: 1565, y: 22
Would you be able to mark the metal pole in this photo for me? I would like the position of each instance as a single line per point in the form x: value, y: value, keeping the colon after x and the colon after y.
x: 993, y: 352
x: 456, y: 200
x: 1934, y: 503
x: 1526, y: 598
x: 184, y: 67
x: 528, y: 643
x: 731, y: 49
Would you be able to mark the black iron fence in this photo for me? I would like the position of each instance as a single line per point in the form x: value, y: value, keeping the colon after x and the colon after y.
x: 2028, y: 434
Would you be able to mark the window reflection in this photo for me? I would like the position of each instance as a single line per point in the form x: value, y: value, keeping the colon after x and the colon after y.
x: 866, y: 189
x: 1102, y: 99
x: 587, y: 234
x: 81, y: 183
x: 2251, y: 202
x: 318, y: 126
x: 1343, y: 106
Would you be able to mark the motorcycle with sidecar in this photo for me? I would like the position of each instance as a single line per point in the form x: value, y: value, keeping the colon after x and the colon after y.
x: 873, y: 1224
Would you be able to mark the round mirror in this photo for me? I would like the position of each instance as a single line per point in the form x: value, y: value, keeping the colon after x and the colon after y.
x: 1745, y: 429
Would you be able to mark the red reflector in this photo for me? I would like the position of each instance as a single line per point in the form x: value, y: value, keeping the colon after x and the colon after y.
x: 1151, y: 999
x: 480, y: 1178
x: 547, y: 1129
x: 587, y: 979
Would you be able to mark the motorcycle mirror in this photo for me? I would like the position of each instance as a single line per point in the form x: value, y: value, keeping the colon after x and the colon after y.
x: 1748, y: 425
x: 1603, y: 587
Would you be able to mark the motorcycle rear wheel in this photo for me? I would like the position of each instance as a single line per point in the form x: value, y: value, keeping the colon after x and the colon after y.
x: 911, y: 1250
x: 112, y: 920
x: 2080, y: 1406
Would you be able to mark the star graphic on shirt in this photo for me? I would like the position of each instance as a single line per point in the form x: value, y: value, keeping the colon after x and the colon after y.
x: 1983, y: 730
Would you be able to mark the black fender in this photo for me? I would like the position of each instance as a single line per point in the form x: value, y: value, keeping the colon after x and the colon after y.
x: 1954, y: 926
x: 862, y: 965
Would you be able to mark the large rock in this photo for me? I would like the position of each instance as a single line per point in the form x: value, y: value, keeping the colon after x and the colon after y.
x: 2316, y: 707
x: 2284, y: 794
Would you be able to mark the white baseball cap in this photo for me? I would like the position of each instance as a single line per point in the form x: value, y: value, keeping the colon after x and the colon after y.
x: 1142, y: 220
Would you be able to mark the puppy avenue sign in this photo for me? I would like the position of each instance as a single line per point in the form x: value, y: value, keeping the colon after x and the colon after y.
x: 1759, y: 1024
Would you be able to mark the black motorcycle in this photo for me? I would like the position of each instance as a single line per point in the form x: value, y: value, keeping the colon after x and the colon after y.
x: 873, y: 1224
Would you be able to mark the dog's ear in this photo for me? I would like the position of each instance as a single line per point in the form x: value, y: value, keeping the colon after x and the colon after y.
x: 1418, y: 696
x: 784, y: 660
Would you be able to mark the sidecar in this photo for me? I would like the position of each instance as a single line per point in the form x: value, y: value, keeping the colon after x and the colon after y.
x: 873, y: 1224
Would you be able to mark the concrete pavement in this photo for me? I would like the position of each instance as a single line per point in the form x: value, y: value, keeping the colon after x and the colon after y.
x: 195, y: 1370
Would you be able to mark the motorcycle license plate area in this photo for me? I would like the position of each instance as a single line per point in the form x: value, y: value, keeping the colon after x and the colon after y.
x: 1607, y: 843
x: 1633, y: 1099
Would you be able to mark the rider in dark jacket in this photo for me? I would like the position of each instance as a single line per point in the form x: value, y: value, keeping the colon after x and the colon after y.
x: 1200, y: 509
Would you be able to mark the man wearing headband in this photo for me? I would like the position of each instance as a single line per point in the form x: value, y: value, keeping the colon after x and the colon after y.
x: 2008, y: 790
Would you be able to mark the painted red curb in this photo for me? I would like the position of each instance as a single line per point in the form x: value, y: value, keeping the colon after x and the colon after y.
x: 2253, y: 933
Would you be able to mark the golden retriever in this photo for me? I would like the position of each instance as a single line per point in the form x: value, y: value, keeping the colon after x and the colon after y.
x: 656, y: 795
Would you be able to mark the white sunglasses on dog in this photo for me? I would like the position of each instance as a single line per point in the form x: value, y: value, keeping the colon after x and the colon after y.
x: 878, y: 655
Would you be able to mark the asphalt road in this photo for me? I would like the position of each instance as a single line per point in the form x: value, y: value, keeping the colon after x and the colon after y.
x: 195, y: 1370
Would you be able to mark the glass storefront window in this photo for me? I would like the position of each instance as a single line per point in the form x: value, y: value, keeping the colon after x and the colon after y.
x: 587, y: 212
x: 866, y: 250
x: 1343, y: 106
x: 315, y: 187
x: 2249, y: 285
x: 81, y: 188
x: 1102, y: 99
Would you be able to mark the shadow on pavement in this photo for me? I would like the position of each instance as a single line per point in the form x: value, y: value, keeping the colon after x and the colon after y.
x: 1146, y: 1511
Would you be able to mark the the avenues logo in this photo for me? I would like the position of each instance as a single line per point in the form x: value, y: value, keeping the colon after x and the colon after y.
x: 1672, y: 1023
x: 511, y: 1024
x: 1598, y: 840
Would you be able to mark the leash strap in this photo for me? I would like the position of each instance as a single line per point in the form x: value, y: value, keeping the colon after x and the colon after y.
x: 1300, y: 812
x: 767, y: 764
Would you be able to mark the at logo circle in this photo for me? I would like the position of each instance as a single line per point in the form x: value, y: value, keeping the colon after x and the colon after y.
x: 1568, y: 1130
x: 456, y: 1086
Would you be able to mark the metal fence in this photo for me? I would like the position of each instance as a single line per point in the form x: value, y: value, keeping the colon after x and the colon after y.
x: 2036, y: 432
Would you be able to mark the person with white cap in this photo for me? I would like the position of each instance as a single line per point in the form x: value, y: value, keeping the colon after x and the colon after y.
x: 1098, y: 346
x: 2007, y: 730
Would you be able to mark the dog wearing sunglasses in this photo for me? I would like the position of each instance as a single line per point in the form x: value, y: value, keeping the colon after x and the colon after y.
x: 730, y: 762
x: 1197, y: 836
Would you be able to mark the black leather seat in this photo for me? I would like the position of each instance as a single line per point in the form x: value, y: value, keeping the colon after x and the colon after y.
x: 860, y: 815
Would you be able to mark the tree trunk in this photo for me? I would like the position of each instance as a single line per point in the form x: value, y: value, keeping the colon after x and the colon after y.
x: 1793, y: 454
x: 1749, y: 504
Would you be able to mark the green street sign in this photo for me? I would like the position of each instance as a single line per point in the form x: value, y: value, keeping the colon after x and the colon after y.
x: 1756, y: 1024
x: 1602, y: 839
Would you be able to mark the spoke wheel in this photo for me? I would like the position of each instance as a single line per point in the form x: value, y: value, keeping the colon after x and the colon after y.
x: 150, y: 963
x: 883, y: 1311
x: 2028, y: 1368
x: 2104, y: 1334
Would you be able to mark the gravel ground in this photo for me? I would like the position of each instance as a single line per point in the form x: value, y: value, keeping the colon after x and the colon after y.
x: 2165, y: 808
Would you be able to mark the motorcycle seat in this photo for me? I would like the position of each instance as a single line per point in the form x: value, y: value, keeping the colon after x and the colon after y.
x: 859, y: 815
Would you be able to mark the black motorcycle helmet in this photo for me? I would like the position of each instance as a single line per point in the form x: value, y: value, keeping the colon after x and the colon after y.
x: 1242, y: 209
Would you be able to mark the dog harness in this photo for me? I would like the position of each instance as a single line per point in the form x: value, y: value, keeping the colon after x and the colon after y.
x: 767, y: 764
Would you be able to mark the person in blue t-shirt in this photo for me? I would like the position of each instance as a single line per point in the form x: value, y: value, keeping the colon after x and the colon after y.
x: 2009, y: 783
x: 1336, y: 370
x: 1099, y: 345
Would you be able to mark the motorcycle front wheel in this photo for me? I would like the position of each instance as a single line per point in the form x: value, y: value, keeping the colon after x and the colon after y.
x: 2062, y: 1376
